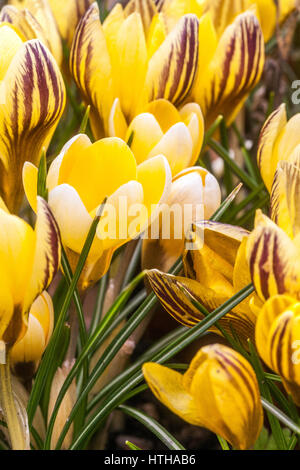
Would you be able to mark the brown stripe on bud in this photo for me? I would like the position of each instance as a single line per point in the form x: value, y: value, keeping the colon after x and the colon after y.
x: 173, y: 67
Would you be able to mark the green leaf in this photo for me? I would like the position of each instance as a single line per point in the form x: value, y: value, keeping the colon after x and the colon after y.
x: 42, y: 177
x: 157, y: 429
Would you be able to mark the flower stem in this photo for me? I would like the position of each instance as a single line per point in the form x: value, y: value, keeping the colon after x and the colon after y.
x: 16, y: 434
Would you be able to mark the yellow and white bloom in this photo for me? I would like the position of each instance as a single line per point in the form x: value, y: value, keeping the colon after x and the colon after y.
x: 219, y: 391
x: 162, y: 129
x: 78, y: 181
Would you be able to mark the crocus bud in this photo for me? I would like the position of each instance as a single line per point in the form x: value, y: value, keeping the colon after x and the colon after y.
x: 26, y: 354
x: 219, y: 391
x: 195, y: 195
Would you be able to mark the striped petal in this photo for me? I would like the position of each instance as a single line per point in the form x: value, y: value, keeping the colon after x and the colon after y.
x: 226, y: 391
x: 234, y: 70
x: 173, y: 67
x: 42, y: 13
x: 146, y: 8
x: 47, y: 253
x: 212, y: 260
x: 285, y: 195
x: 33, y: 103
x: 67, y: 15
x: 267, y: 159
x: 91, y: 70
x: 273, y: 259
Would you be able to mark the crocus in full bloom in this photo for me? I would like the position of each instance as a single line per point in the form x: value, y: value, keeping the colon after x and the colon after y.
x: 26, y: 354
x: 123, y: 59
x: 219, y: 391
x: 32, y: 99
x: 215, y: 270
x: 78, y: 181
x: 28, y: 261
x: 162, y: 129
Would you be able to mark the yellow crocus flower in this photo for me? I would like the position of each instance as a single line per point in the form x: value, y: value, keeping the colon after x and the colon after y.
x: 43, y: 17
x: 219, y: 391
x: 25, y: 355
x: 195, y: 194
x: 279, y: 139
x: 215, y: 269
x: 28, y: 261
x: 78, y: 181
x: 273, y: 248
x: 120, y: 59
x: 32, y: 99
x: 277, y: 336
x: 162, y: 129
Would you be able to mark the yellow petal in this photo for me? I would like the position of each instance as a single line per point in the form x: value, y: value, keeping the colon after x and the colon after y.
x: 30, y: 179
x: 72, y: 217
x: 146, y: 134
x: 46, y: 259
x: 155, y: 169
x: 130, y: 66
x: 175, y: 9
x: 234, y: 70
x: 89, y: 173
x: 166, y: 384
x: 288, y: 139
x: 267, y: 159
x: 172, y: 68
x: 28, y: 121
x: 117, y: 125
x: 42, y: 310
x: 211, y: 263
x: 146, y: 8
x: 273, y: 259
x: 233, y: 404
x: 67, y: 15
x: 114, y: 228
x: 192, y: 116
x: 224, y: 12
x: 91, y: 70
x: 6, y: 299
x: 177, y: 146
x: 111, y: 27
x: 285, y: 195
x: 268, y: 15
x: 10, y: 43
x: 70, y: 152
x: 164, y: 112
x: 156, y: 34
x: 271, y: 309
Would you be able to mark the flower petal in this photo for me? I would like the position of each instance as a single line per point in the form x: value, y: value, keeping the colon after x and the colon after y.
x: 166, y: 384
x: 92, y: 71
x: 273, y: 259
x: 173, y: 66
x: 177, y: 146
x: 234, y: 70
x: 267, y: 159
x: 117, y: 125
x: 146, y: 8
x: 34, y: 101
x: 165, y: 113
x: 88, y: 175
x: 146, y: 134
x: 46, y: 260
x: 285, y: 195
x: 192, y: 116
